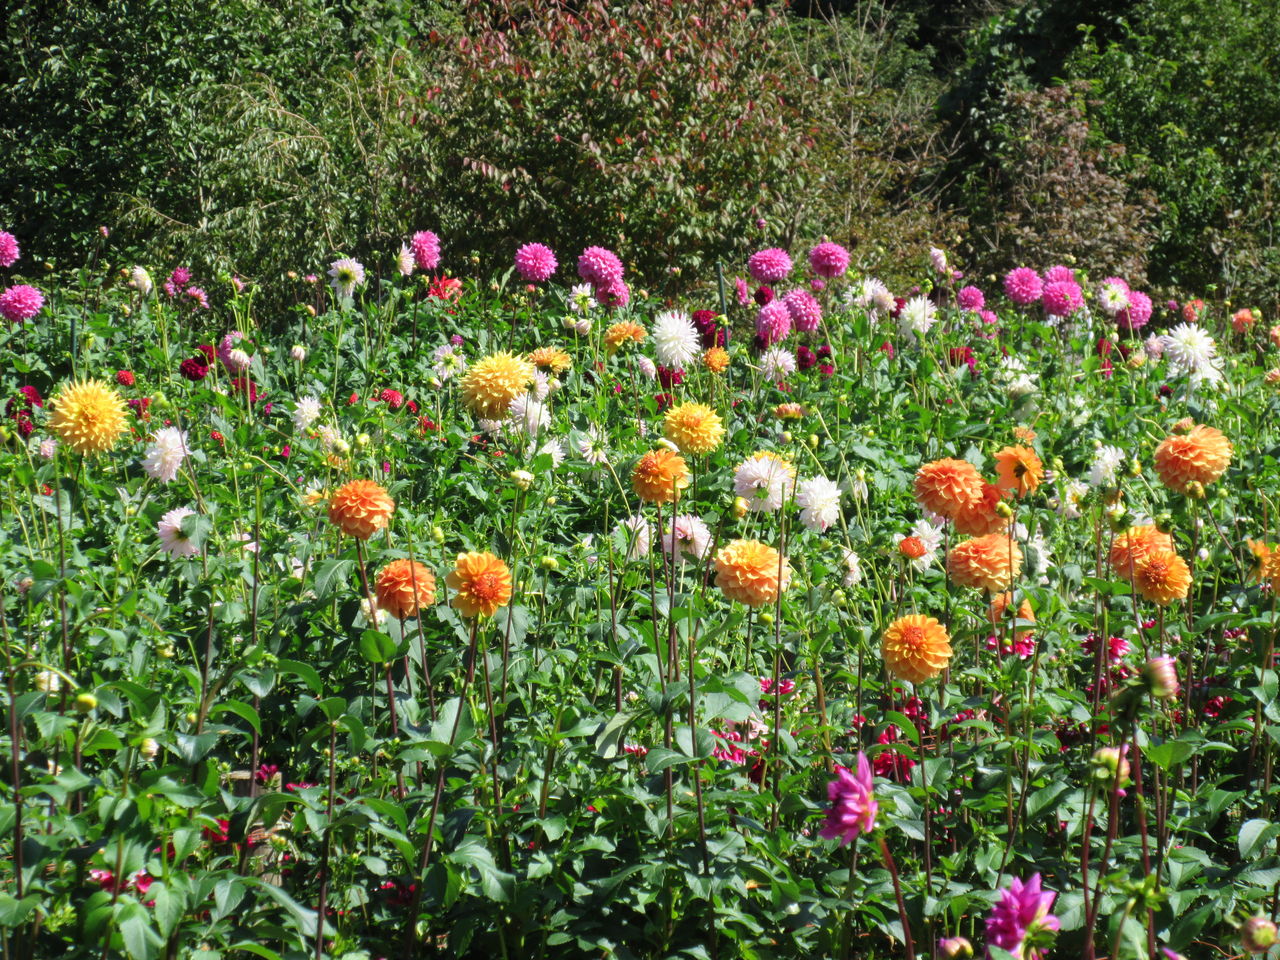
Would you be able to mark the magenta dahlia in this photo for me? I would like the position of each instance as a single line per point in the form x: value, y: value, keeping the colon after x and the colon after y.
x: 426, y: 250
x: 773, y: 322
x: 1059, y: 273
x: 853, y: 804
x: 536, y: 262
x: 742, y: 292
x: 804, y: 310
x: 1020, y: 919
x: 20, y: 303
x: 614, y: 294
x: 829, y: 259
x: 1022, y: 285
x: 971, y: 299
x: 599, y: 266
x: 9, y: 252
x: 1061, y: 298
x: 769, y: 266
x: 1136, y: 314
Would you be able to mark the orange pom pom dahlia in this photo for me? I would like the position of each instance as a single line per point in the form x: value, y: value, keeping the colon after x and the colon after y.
x: 980, y: 517
x: 915, y: 648
x: 621, y: 333
x: 659, y: 476
x: 693, y: 427
x: 947, y: 486
x: 987, y: 563
x: 1162, y: 577
x: 1135, y: 545
x: 403, y: 587
x: 1019, y: 470
x: 716, y: 359
x: 481, y: 583
x: 1201, y: 456
x: 999, y: 609
x: 360, y: 508
x: 751, y: 572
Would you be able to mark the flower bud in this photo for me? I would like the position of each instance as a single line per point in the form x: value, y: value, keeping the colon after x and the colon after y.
x: 1258, y: 934
x: 523, y: 479
x: 549, y: 563
x: 766, y: 618
x: 298, y: 352
x: 786, y: 436
x: 1004, y: 510
x: 311, y: 311
x: 341, y: 446
x: 48, y: 681
x: 149, y: 748
x: 813, y: 441
x: 551, y: 501
x: 86, y: 703
x: 1161, y: 675
x: 1135, y: 468
x: 437, y: 533
x: 955, y: 948
x: 739, y: 507
x: 1195, y: 490
x: 1110, y: 767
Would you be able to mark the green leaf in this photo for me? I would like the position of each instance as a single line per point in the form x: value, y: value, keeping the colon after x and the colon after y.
x: 1253, y: 834
x: 377, y: 647
x: 331, y: 573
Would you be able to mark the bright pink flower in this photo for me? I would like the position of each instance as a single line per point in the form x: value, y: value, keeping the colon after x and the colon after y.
x: 1022, y: 914
x: 20, y: 303
x: 8, y: 249
x: 773, y: 322
x: 829, y: 259
x: 1022, y: 285
x: 1136, y: 315
x: 742, y: 291
x: 426, y: 250
x: 1062, y: 298
x: 769, y: 266
x: 1059, y: 274
x: 615, y: 294
x: 536, y: 262
x: 599, y: 266
x: 124, y: 378
x: 970, y: 298
x: 804, y: 310
x: 853, y: 803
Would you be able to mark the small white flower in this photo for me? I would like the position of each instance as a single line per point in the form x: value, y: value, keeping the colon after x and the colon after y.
x: 854, y: 575
x: 347, y: 274
x: 591, y: 447
x: 929, y: 533
x: 448, y: 361
x: 140, y: 280
x: 939, y: 259
x: 404, y: 261
x: 1189, y: 348
x: 530, y: 414
x: 1107, y: 462
x: 675, y: 339
x: 857, y: 485
x: 48, y: 447
x: 777, y: 364
x: 689, y: 535
x: 647, y: 366
x: 306, y: 413
x: 1113, y: 298
x: 819, y: 499
x: 582, y: 327
x: 581, y: 299
x: 555, y: 450
x: 329, y: 436
x: 917, y: 318
x: 637, y: 536
x: 164, y: 457
x: 763, y: 481
x: 1068, y: 505
x: 48, y: 681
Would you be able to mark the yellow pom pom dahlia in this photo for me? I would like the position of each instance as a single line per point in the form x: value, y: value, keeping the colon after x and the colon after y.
x: 482, y: 584
x: 694, y: 428
x: 88, y: 417
x: 491, y: 384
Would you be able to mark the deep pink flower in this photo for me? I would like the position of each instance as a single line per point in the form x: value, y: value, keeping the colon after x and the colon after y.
x: 599, y: 266
x: 1136, y: 315
x: 769, y: 266
x: 9, y: 252
x: 20, y: 303
x: 742, y: 291
x: 829, y: 259
x: 1059, y: 274
x: 536, y: 262
x: 426, y: 250
x: 124, y: 378
x: 392, y: 398
x: 1022, y: 285
x: 988, y: 316
x: 614, y: 294
x: 194, y: 369
x: 33, y: 396
x: 773, y: 322
x: 853, y: 803
x: 763, y: 295
x: 806, y: 359
x: 817, y: 284
x: 970, y: 298
x: 1062, y: 298
x: 1022, y: 913
x: 804, y: 310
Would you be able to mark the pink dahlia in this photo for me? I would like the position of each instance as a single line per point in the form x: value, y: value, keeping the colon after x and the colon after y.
x: 773, y: 322
x: 599, y: 266
x: 1136, y: 315
x: 1062, y: 298
x: 1020, y: 918
x: 988, y: 316
x: 20, y: 303
x: 615, y: 294
x: 971, y: 299
x: 9, y: 252
x: 853, y: 804
x: 769, y: 266
x: 1022, y: 285
x: 742, y: 292
x: 1059, y: 274
x: 536, y: 262
x: 829, y: 259
x: 804, y: 310
x: 426, y: 250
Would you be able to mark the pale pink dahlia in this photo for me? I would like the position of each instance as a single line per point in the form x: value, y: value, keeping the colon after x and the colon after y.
x: 804, y: 310
x: 536, y: 262
x: 426, y: 250
x: 8, y: 249
x: 1059, y: 274
x: 1136, y: 315
x: 742, y: 292
x: 1062, y: 298
x: 1021, y: 915
x: 971, y: 299
x: 20, y: 303
x: 599, y: 266
x: 769, y: 266
x: 829, y: 259
x: 773, y: 322
x: 1022, y: 285
x: 853, y: 804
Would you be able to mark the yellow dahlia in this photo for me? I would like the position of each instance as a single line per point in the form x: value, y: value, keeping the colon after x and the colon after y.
x: 915, y: 648
x: 1201, y: 456
x: 621, y: 333
x: 88, y: 417
x: 1135, y: 545
x: 659, y: 476
x: 491, y: 384
x: 360, y: 508
x: 693, y: 427
x: 555, y: 359
x: 481, y: 583
x: 1019, y: 470
x: 945, y: 486
x: 751, y: 572
x: 987, y: 563
x: 716, y: 359
x: 1162, y: 577
x: 981, y: 516
x: 404, y: 586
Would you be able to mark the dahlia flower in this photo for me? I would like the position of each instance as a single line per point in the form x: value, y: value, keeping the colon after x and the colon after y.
x: 1190, y: 349
x: 769, y: 266
x: 829, y: 259
x: 805, y: 312
x: 20, y: 303
x: 988, y: 563
x: 1022, y: 285
x: 938, y: 260
x: 764, y: 479
x: 1021, y: 915
x: 1199, y: 456
x: 426, y: 250
x: 983, y: 515
x: 694, y: 428
x: 172, y: 539
x: 647, y: 367
x: 1059, y: 274
x: 688, y: 535
x: 529, y: 414
x: 88, y: 416
x: 403, y: 587
x: 624, y: 332
x: 637, y: 536
x: 675, y: 340
x: 915, y: 648
x: 481, y: 583
x: 615, y: 294
x: 1019, y: 470
x: 347, y: 274
x: 1068, y: 504
x: 970, y: 299
x: 1135, y: 314
x: 492, y: 383
x: 404, y: 261
x: 305, y: 413
x: 165, y: 454
x: 773, y: 322
x: 819, y: 500
x: 1162, y: 577
x: 1132, y: 547
x: 751, y: 572
x: 853, y: 569
x: 360, y: 508
x: 581, y: 299
x: 777, y: 364
x: 535, y: 262
x: 591, y: 446
x: 946, y: 486
x: 659, y: 476
x: 448, y: 361
x: 599, y: 267
x: 917, y: 317
x: 9, y: 251
x: 1062, y: 298
x: 140, y: 280
x: 853, y: 804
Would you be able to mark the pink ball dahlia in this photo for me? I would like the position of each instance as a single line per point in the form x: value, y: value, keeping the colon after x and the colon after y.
x: 742, y: 292
x: 773, y: 322
x: 853, y: 805
x: 536, y: 262
x: 1021, y: 915
x: 769, y: 266
x: 615, y: 294
x: 1022, y: 285
x: 1062, y: 298
x: 1136, y: 315
x: 426, y: 250
x: 599, y: 266
x: 20, y: 303
x: 804, y: 310
x: 829, y: 259
x: 8, y: 249
x: 1059, y: 273
x: 971, y: 299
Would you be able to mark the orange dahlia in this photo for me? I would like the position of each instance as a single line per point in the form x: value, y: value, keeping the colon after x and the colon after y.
x: 751, y: 572
x: 912, y: 548
x: 1025, y: 434
x: 659, y: 476
x: 1019, y: 470
x: 946, y: 486
x: 360, y: 508
x: 1000, y: 607
x: 1270, y: 571
x: 622, y: 333
x: 492, y: 383
x: 789, y: 411
x: 981, y: 517
x: 693, y: 427
x: 1262, y: 558
x: 481, y: 583
x: 1135, y: 545
x: 555, y: 359
x: 404, y: 586
x: 1162, y: 577
x: 1201, y: 456
x: 987, y: 563
x: 915, y: 648
x: 716, y: 359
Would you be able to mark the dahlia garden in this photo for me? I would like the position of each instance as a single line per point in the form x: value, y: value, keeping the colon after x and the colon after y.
x: 533, y: 615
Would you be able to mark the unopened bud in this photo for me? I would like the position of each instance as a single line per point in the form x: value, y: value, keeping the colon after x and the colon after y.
x: 86, y: 703
x: 1004, y: 510
x: 149, y: 748
x: 523, y: 479
x: 550, y: 563
x: 955, y: 948
x: 1258, y: 934
x: 739, y: 507
x: 1161, y: 674
x: 1195, y: 490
